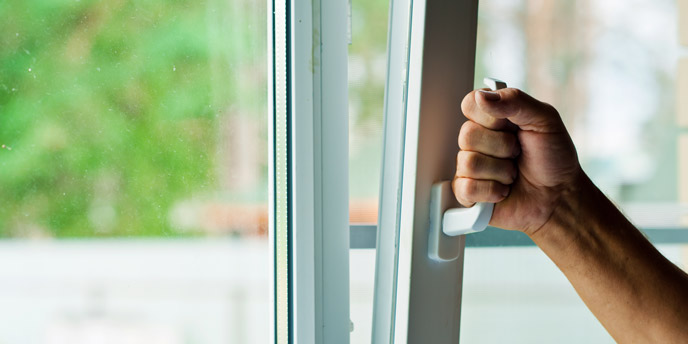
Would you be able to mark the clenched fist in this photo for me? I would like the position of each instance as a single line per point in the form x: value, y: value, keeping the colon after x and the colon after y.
x: 516, y: 152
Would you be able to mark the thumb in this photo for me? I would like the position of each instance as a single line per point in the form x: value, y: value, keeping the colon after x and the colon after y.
x: 521, y: 109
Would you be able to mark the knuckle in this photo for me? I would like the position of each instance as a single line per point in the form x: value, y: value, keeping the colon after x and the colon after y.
x: 514, y: 93
x: 467, y: 135
x: 464, y: 201
x: 510, y: 140
x: 495, y: 190
x: 492, y: 187
x: 468, y: 103
x: 468, y: 162
x: 459, y: 191
x: 550, y: 115
x: 473, y: 161
x: 549, y: 108
x: 460, y: 165
x: 468, y: 188
x: 458, y: 194
x: 469, y: 191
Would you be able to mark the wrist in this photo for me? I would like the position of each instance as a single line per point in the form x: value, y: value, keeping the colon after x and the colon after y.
x: 573, y: 204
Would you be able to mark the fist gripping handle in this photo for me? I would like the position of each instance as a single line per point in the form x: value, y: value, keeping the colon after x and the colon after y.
x: 446, y: 224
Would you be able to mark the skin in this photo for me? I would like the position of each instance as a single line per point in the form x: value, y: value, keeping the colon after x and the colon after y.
x: 516, y: 152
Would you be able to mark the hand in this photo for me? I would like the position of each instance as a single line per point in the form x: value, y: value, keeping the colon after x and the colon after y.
x: 516, y: 152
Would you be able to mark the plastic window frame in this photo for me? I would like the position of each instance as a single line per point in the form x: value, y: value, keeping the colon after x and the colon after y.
x: 308, y: 171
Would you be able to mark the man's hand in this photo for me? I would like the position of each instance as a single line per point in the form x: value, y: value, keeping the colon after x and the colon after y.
x: 515, y: 151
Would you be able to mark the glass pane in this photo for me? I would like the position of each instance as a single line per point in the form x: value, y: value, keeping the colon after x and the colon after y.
x: 517, y: 295
x: 133, y: 172
x: 362, y: 281
x: 367, y: 73
x: 610, y: 68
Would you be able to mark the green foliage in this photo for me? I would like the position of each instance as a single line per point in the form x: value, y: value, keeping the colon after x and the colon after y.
x: 369, y: 44
x: 109, y: 112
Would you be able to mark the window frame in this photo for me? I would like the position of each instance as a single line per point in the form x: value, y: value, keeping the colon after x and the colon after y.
x: 308, y: 152
x: 431, y: 61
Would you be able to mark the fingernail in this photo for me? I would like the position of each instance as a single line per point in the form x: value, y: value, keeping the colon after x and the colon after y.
x: 490, y: 96
x: 505, y: 192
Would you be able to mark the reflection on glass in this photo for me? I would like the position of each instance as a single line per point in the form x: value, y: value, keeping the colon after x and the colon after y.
x: 124, y: 125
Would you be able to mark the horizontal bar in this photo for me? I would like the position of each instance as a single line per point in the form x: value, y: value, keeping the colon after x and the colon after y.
x: 365, y: 236
x: 493, y: 237
x: 362, y: 236
x: 667, y: 235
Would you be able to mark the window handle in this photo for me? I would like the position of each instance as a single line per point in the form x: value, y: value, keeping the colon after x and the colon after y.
x: 447, y: 220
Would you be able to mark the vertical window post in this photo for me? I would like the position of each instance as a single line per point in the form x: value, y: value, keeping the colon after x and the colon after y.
x: 278, y: 170
x: 309, y: 225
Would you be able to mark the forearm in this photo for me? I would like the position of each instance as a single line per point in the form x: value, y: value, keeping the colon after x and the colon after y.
x: 636, y: 293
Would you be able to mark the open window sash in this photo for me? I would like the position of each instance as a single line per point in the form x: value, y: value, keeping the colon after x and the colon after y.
x: 431, y: 58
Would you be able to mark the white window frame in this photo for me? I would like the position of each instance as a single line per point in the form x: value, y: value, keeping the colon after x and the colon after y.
x: 309, y: 190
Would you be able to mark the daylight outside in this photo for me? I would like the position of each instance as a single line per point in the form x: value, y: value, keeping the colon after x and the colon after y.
x: 133, y: 172
x: 133, y: 161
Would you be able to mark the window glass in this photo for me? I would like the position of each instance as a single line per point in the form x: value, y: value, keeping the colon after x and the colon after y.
x: 517, y: 295
x: 610, y: 68
x: 367, y: 75
x: 133, y: 172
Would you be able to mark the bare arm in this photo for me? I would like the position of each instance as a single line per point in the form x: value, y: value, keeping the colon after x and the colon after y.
x: 516, y: 151
x: 636, y: 293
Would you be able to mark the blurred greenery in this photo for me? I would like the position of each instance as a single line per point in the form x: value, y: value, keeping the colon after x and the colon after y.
x: 110, y: 110
x: 367, y: 76
x: 369, y: 46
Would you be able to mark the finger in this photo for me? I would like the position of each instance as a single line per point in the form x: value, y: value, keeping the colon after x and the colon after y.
x: 470, y: 191
x: 472, y: 111
x: 508, y: 108
x: 518, y: 108
x: 479, y: 166
x: 499, y: 144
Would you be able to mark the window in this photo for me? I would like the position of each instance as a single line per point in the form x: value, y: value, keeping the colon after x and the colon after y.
x: 183, y: 171
x: 133, y: 172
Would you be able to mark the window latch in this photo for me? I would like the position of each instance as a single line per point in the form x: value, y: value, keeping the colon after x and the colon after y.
x: 448, y: 220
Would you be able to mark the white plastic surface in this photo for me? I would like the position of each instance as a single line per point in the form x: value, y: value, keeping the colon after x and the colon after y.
x: 460, y: 221
x: 440, y: 246
x: 494, y: 84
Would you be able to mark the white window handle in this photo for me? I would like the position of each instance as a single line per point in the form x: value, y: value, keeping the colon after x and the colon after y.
x: 446, y: 223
